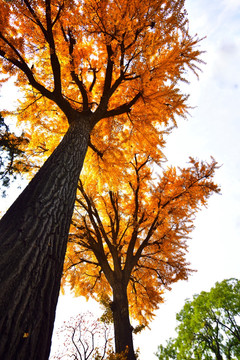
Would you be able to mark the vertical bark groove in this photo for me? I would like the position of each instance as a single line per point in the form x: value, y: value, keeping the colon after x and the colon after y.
x: 33, y: 238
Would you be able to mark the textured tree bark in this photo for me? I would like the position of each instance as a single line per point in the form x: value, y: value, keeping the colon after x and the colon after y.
x: 122, y: 327
x: 33, y: 238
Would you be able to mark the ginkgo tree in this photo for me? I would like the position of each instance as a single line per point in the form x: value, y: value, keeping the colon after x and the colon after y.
x: 129, y: 244
x: 91, y: 72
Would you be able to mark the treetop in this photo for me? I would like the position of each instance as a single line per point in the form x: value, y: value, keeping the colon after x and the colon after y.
x: 115, y: 60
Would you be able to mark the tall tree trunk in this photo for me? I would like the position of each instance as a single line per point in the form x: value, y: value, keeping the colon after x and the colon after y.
x: 218, y: 355
x: 122, y: 327
x: 33, y: 238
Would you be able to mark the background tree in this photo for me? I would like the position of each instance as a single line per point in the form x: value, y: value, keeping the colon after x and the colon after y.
x: 208, y: 326
x: 84, y: 338
x: 130, y: 244
x: 108, y: 69
x: 12, y: 157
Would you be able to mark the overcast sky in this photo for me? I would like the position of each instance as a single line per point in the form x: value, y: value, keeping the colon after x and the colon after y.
x: 213, y: 129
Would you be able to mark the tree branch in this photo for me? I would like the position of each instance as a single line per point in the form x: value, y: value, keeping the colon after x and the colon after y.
x: 56, y: 68
x: 94, y: 78
x: 108, y: 80
x: 71, y: 41
x: 21, y: 64
x: 93, y: 147
x: 114, y: 223
x: 61, y: 6
x: 147, y: 238
x: 124, y: 108
x: 37, y: 21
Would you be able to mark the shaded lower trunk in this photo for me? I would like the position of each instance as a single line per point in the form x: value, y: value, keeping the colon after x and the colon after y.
x: 219, y: 356
x: 33, y: 238
x: 122, y: 327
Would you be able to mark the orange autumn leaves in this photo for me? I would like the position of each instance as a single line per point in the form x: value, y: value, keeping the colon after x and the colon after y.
x: 137, y: 233
x: 119, y: 63
x: 121, y: 60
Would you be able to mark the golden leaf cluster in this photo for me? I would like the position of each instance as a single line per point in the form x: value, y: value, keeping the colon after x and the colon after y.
x: 121, y: 60
x: 117, y: 65
x: 136, y: 234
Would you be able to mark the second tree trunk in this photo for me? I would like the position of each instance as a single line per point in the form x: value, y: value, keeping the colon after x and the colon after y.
x: 122, y: 327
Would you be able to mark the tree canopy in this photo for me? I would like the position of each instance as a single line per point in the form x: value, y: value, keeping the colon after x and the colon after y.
x: 100, y: 58
x: 136, y: 234
x: 208, y: 326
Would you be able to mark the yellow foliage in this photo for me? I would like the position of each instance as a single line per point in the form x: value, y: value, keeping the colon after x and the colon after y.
x: 115, y: 65
x: 137, y: 233
x: 114, y: 356
x: 119, y: 61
